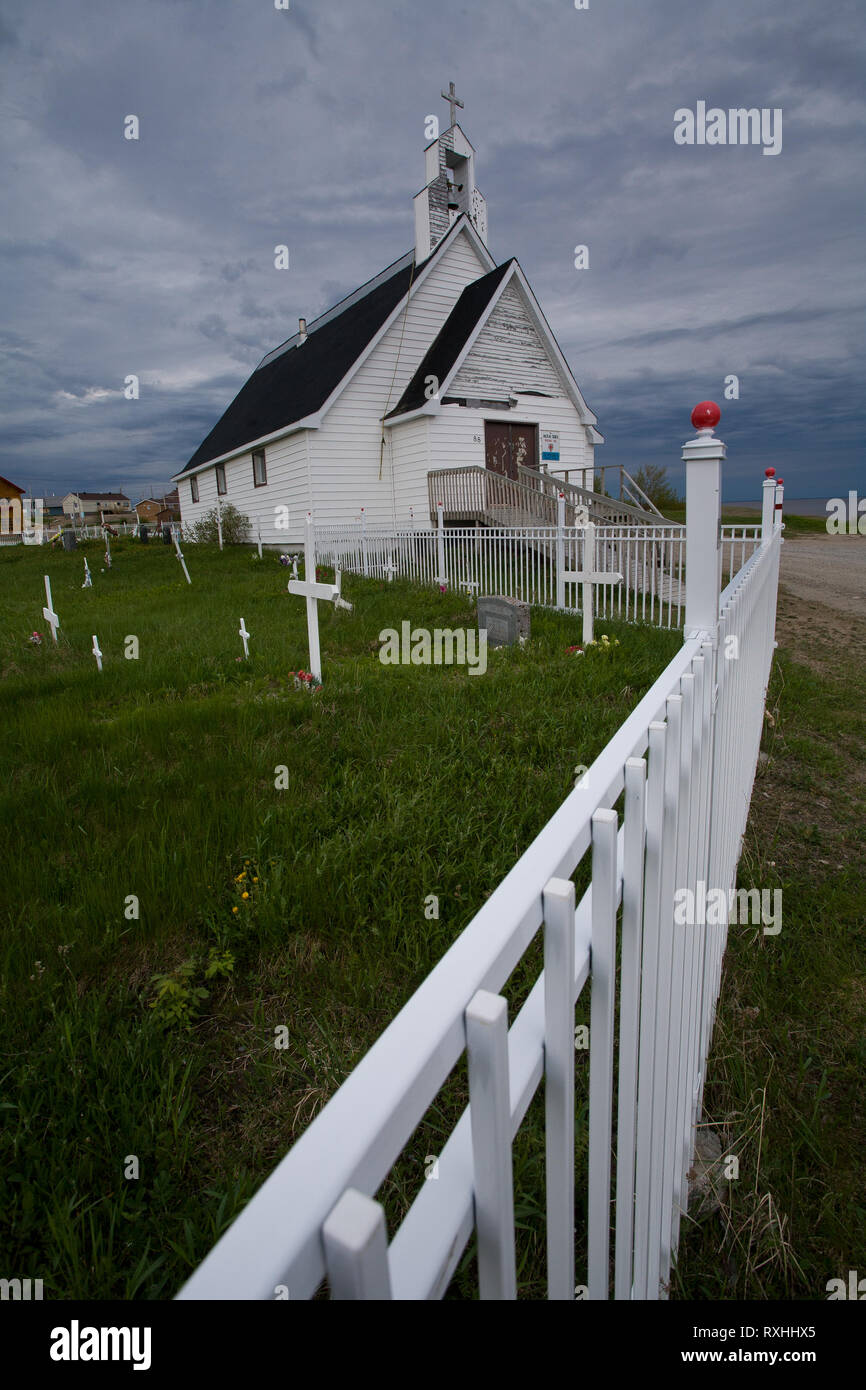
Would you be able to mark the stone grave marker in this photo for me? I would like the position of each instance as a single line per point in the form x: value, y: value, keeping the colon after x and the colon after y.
x: 506, y: 620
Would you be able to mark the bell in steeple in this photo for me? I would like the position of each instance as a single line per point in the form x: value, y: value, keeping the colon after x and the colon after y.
x: 450, y: 188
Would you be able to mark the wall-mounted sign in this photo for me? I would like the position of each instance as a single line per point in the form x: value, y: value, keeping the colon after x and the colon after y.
x: 550, y: 446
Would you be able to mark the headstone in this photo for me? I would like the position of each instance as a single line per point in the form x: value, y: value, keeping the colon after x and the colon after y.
x: 506, y: 619
x: 69, y: 540
x: 166, y: 535
x: 88, y: 582
x: 142, y: 534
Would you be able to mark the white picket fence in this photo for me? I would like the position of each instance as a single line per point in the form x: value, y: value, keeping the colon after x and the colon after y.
x: 682, y: 764
x: 523, y: 562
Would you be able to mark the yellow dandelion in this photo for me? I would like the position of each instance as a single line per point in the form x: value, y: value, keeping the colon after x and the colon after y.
x: 255, y: 880
x: 245, y: 895
x: 234, y: 909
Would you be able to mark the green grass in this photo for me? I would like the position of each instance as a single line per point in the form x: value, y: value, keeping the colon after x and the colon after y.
x: 156, y: 779
x: 785, y: 1075
x: 794, y: 525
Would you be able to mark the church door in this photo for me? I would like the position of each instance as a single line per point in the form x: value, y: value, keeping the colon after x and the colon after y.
x: 507, y: 444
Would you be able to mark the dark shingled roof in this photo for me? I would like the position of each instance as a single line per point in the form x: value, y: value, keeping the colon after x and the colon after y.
x: 451, y: 339
x: 297, y: 382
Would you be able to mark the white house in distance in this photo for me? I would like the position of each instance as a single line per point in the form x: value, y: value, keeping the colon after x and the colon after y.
x: 444, y: 360
x: 89, y: 506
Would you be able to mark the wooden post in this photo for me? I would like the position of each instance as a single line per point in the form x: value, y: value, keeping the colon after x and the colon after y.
x: 560, y: 550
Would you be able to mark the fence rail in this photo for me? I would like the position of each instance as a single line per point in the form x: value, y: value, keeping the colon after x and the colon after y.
x: 522, y: 562
x: 681, y: 767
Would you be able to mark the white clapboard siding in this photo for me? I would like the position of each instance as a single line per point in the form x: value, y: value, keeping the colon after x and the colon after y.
x: 509, y: 353
x: 457, y: 437
x: 287, y: 485
x: 411, y: 462
x: 454, y: 438
x: 346, y: 453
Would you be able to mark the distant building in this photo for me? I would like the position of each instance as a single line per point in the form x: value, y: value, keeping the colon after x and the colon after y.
x: 10, y: 508
x: 87, y: 507
x: 156, y: 511
x: 148, y: 510
x: 11, y: 491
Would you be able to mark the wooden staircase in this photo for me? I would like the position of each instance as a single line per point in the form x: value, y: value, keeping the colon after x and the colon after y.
x: 476, y: 496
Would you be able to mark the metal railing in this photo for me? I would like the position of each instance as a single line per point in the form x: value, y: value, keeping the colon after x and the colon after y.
x: 683, y: 763
x: 521, y: 562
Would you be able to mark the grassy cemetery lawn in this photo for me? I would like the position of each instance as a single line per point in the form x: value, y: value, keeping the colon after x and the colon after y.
x: 196, y: 948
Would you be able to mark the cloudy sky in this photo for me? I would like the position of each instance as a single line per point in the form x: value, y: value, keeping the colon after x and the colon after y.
x: 306, y: 127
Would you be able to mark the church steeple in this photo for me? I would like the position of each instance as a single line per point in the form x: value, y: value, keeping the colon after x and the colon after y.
x: 450, y: 187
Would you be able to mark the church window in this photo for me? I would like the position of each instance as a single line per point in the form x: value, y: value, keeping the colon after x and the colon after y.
x: 220, y: 471
x: 260, y: 472
x: 193, y: 489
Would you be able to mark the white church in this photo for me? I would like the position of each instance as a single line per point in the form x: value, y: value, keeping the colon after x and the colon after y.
x: 443, y: 361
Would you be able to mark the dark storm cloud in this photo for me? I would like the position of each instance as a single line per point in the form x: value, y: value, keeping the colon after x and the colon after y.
x: 306, y: 127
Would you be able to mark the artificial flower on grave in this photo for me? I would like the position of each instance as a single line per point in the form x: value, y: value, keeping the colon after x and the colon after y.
x: 35, y: 638
x: 575, y: 651
x: 304, y: 680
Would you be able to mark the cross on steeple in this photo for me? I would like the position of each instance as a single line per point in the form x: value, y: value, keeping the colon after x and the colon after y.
x: 453, y: 101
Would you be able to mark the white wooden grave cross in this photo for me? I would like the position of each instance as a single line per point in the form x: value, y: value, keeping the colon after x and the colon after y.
x: 97, y: 653
x: 107, y: 539
x: 88, y: 582
x: 259, y: 534
x: 244, y: 636
x: 180, y: 556
x: 587, y: 577
x: 339, y: 601
x: 312, y: 591
x: 390, y: 569
x: 48, y: 613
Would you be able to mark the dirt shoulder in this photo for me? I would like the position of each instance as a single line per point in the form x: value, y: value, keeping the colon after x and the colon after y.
x: 822, y: 598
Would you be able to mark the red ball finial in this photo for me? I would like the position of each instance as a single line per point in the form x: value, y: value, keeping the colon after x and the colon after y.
x: 781, y: 482
x: 769, y: 472
x: 706, y: 415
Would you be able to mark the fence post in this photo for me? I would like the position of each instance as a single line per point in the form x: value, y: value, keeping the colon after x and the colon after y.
x: 703, y: 459
x: 767, y: 502
x: 780, y: 497
x: 440, y: 543
x: 364, y: 557
x: 560, y: 550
